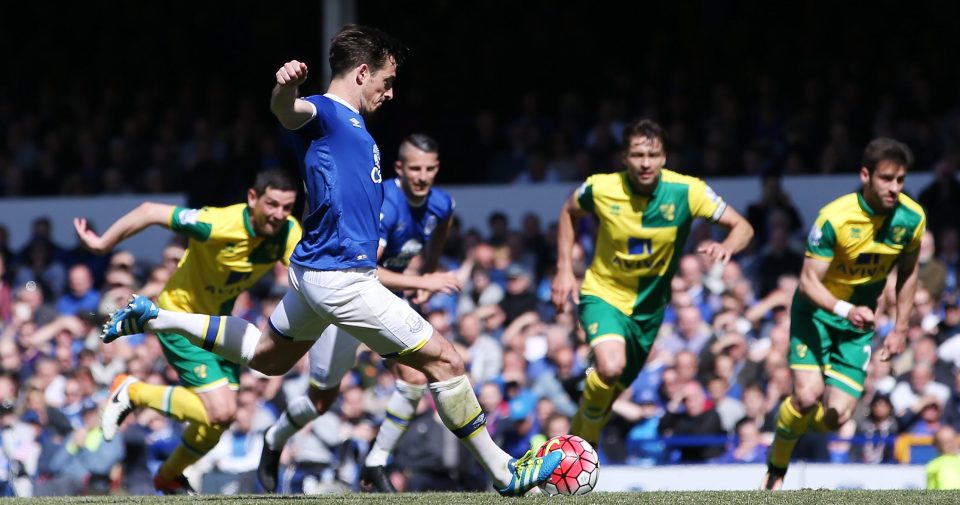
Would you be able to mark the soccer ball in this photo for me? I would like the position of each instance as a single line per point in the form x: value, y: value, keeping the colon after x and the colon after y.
x: 578, y: 470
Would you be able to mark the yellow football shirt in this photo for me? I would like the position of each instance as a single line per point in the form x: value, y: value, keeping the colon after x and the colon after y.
x: 224, y: 258
x: 640, y: 238
x: 861, y: 247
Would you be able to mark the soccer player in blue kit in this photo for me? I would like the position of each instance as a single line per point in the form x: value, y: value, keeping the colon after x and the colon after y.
x: 333, y: 276
x: 414, y: 215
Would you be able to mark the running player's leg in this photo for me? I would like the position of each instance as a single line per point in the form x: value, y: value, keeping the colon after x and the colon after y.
x: 204, y: 377
x: 849, y: 359
x: 330, y: 357
x: 401, y: 407
x: 620, y: 347
x: 810, y: 342
x: 294, y: 326
x: 361, y: 305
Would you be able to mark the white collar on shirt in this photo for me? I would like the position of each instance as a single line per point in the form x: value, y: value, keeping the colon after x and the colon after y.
x: 343, y: 102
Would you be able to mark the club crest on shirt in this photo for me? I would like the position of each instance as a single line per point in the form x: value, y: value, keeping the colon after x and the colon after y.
x: 897, y: 233
x: 375, y: 174
x: 668, y: 211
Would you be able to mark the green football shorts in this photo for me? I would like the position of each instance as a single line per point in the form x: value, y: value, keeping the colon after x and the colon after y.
x: 841, y: 354
x: 199, y: 370
x: 603, y: 322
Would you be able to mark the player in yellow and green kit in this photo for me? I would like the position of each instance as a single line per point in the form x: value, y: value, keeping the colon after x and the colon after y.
x: 230, y: 248
x: 856, y: 241
x: 645, y: 215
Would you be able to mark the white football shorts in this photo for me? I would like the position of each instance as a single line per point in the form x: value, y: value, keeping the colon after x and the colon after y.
x: 354, y: 301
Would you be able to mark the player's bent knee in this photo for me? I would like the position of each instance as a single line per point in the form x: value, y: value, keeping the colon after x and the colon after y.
x: 453, y: 360
x: 807, y: 397
x: 222, y: 413
x: 323, y: 399
x: 272, y: 369
x: 610, y: 370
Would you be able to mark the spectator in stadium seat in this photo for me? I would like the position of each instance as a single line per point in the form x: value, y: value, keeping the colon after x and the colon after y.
x: 919, y: 385
x: 749, y: 447
x: 933, y: 273
x: 235, y: 458
x: 879, y: 423
x: 948, y: 251
x: 479, y: 291
x: 772, y: 198
x: 941, y: 198
x: 923, y: 417
x: 485, y: 354
x: 755, y: 408
x: 83, y: 462
x: 519, y: 298
x: 689, y: 414
x: 924, y: 350
x: 690, y: 333
x: 951, y: 410
x: 944, y: 471
x: 38, y: 264
x: 730, y: 410
x: 776, y: 257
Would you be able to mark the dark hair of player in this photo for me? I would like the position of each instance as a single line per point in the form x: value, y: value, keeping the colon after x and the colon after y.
x: 643, y: 128
x: 886, y: 149
x: 422, y: 142
x: 274, y: 178
x: 355, y: 45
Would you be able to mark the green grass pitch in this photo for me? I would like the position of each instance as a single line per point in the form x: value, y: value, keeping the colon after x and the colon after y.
x: 818, y: 497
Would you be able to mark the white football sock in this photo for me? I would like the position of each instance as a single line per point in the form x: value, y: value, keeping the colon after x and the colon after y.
x: 400, y: 409
x: 226, y: 336
x: 298, y: 414
x: 461, y: 413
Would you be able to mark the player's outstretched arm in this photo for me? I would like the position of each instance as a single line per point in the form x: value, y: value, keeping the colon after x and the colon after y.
x: 291, y: 111
x: 811, y: 286
x: 445, y: 282
x: 148, y: 213
x: 442, y: 282
x: 737, y: 239
x: 907, y: 274
x: 565, y: 282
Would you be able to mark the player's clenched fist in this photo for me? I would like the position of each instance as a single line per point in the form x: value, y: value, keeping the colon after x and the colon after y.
x: 292, y: 73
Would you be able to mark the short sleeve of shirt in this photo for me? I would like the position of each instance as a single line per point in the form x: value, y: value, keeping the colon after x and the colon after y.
x: 821, y: 240
x: 704, y: 202
x: 292, y: 239
x: 448, y: 209
x: 917, y: 235
x: 388, y: 219
x: 194, y: 223
x: 316, y: 126
x: 585, y: 195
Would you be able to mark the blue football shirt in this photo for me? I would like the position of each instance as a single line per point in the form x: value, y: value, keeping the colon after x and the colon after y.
x: 404, y: 229
x: 343, y: 182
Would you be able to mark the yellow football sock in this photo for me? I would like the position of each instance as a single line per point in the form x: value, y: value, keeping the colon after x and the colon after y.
x: 197, y: 440
x: 177, y: 402
x: 791, y: 424
x: 594, y: 408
